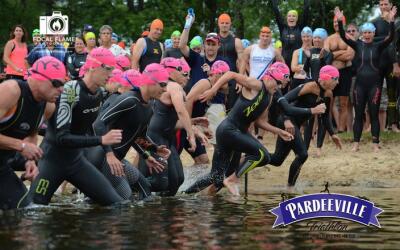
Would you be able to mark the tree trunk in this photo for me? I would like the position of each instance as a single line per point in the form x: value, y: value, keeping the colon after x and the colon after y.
x: 212, y: 7
x: 240, y: 19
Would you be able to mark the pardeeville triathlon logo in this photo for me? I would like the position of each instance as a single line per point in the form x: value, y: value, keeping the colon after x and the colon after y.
x: 326, y: 206
x: 56, y: 24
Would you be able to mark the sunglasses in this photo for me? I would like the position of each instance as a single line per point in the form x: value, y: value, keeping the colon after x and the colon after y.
x: 55, y: 82
x: 162, y: 84
x: 179, y: 68
x: 335, y: 78
x: 351, y: 31
x: 106, y: 67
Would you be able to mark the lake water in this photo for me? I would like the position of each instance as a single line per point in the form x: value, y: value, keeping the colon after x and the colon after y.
x: 192, y: 222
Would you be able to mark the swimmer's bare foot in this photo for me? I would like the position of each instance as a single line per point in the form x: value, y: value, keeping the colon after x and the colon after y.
x: 232, y: 183
x: 376, y: 147
x: 319, y: 152
x: 356, y: 147
x: 395, y: 129
x: 290, y: 189
x: 212, y: 190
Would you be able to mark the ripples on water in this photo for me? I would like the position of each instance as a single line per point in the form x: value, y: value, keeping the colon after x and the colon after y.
x: 189, y: 222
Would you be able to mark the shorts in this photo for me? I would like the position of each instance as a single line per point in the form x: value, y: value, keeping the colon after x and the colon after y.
x: 343, y: 88
x: 216, y: 114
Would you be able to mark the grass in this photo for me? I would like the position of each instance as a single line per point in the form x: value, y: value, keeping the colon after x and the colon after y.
x: 386, y: 136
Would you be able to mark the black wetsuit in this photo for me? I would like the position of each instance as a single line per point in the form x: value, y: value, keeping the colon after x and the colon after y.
x: 290, y: 36
x: 68, y: 133
x: 233, y: 136
x: 298, y: 146
x: 74, y: 62
x: 131, y: 114
x: 227, y: 50
x: 387, y: 60
x: 173, y: 52
x: 151, y: 54
x: 162, y: 131
x: 23, y: 123
x: 368, y: 81
x: 313, y: 65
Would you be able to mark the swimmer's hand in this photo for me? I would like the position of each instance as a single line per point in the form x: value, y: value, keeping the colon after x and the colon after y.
x: 286, y: 136
x: 289, y: 127
x: 207, y: 95
x: 201, y: 121
x: 200, y: 135
x: 337, y: 141
x: 154, y: 165
x: 319, y: 109
x: 192, y: 141
x: 116, y: 166
x: 238, y: 88
x: 31, y: 170
x: 112, y: 137
x: 31, y: 151
x: 163, y: 151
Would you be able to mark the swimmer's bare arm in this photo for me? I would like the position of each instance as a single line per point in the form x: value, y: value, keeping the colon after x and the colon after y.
x: 249, y: 83
x: 245, y: 60
x: 198, y: 88
x: 7, y: 53
x: 295, y: 62
x: 262, y: 123
x: 9, y: 95
x: 278, y: 56
x: 177, y: 99
x: 137, y: 52
x: 346, y: 55
x: 239, y: 51
x: 184, y: 39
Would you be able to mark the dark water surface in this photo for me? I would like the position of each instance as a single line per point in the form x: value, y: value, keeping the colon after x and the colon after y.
x: 192, y: 222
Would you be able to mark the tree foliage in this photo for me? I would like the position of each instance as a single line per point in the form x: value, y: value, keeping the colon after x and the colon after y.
x: 130, y: 17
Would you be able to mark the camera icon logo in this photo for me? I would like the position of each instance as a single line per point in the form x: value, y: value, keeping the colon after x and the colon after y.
x: 56, y: 24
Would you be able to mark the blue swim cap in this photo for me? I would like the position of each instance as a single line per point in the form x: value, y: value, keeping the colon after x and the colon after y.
x: 306, y: 31
x: 168, y: 43
x: 198, y: 38
x: 245, y: 43
x: 368, y: 27
x: 321, y: 33
x: 114, y: 36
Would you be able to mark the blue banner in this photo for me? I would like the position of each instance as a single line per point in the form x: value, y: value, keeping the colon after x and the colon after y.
x: 326, y: 205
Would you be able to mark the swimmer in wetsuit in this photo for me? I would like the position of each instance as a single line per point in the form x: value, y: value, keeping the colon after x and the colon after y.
x: 306, y: 95
x: 131, y: 113
x: 22, y: 107
x: 232, y: 133
x: 69, y: 132
x: 369, y: 78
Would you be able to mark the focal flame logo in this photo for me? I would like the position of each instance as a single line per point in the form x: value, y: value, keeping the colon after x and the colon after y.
x: 56, y: 24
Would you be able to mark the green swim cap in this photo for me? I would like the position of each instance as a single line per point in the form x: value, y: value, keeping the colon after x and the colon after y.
x: 293, y: 12
x: 89, y: 35
x: 278, y: 44
x: 195, y: 43
x: 35, y: 32
x: 176, y: 33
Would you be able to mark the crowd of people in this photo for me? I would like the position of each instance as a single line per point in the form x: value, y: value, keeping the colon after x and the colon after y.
x: 94, y: 103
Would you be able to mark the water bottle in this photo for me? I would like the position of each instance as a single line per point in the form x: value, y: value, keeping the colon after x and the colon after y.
x: 190, y: 19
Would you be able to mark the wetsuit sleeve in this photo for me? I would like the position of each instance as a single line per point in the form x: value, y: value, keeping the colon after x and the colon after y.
x: 278, y: 16
x: 121, y: 106
x: 328, y: 58
x: 383, y: 44
x: 144, y: 145
x: 306, y: 14
x: 64, y: 137
x: 326, y: 117
x: 290, y: 109
x: 293, y: 94
x: 351, y: 43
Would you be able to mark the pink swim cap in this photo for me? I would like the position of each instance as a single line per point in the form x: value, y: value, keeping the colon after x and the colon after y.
x: 219, y: 67
x: 47, y: 66
x: 154, y: 73
x: 278, y: 71
x: 185, y: 66
x: 131, y: 78
x: 122, y: 62
x: 328, y: 72
x: 116, y: 76
x: 171, y: 64
x: 99, y: 56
